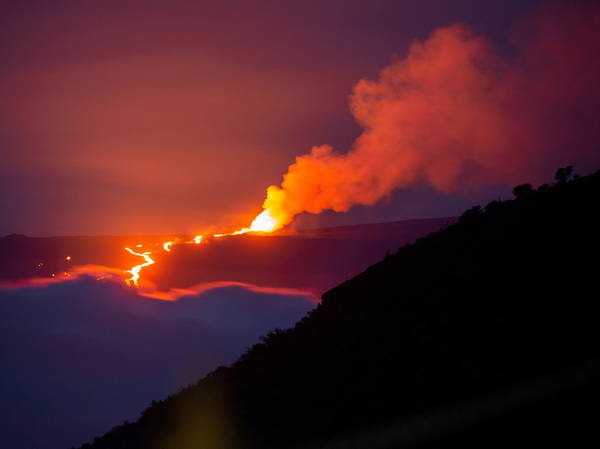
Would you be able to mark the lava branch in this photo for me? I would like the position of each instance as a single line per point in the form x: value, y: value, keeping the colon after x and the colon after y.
x: 135, y: 271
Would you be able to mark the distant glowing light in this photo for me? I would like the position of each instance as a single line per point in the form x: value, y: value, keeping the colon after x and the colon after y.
x: 68, y: 258
x: 264, y: 222
x: 167, y: 246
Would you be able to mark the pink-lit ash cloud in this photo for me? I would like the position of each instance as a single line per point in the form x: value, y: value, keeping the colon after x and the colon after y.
x: 458, y: 115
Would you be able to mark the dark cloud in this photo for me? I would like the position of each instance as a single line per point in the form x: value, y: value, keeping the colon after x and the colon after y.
x: 80, y: 356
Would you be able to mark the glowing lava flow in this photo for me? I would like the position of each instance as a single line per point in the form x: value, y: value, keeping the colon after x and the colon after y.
x: 264, y: 222
x: 135, y: 271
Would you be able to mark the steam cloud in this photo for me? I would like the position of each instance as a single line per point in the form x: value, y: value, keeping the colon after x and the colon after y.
x: 457, y: 114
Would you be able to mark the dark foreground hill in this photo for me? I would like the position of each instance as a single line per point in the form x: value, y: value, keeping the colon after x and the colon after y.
x: 484, y: 334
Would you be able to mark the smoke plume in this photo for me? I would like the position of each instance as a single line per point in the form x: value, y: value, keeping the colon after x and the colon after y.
x: 457, y: 114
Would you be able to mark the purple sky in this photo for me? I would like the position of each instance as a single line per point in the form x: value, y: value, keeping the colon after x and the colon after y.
x: 126, y: 117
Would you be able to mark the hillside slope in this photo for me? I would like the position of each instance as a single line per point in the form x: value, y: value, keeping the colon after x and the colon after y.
x: 481, y: 335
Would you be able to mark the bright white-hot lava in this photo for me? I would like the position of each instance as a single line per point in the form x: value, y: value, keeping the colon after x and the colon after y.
x: 264, y: 222
x: 135, y: 271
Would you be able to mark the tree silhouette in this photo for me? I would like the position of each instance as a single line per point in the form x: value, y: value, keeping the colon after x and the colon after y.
x: 563, y: 175
x: 471, y: 215
x: 523, y: 191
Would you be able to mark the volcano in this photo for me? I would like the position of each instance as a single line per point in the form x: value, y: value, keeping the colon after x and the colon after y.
x: 306, y: 260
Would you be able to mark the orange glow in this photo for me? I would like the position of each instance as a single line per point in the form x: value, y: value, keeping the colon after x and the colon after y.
x: 68, y: 258
x: 263, y: 222
x: 135, y: 271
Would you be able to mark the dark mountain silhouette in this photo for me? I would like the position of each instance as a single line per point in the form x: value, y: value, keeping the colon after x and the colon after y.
x: 315, y: 260
x: 481, y: 335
